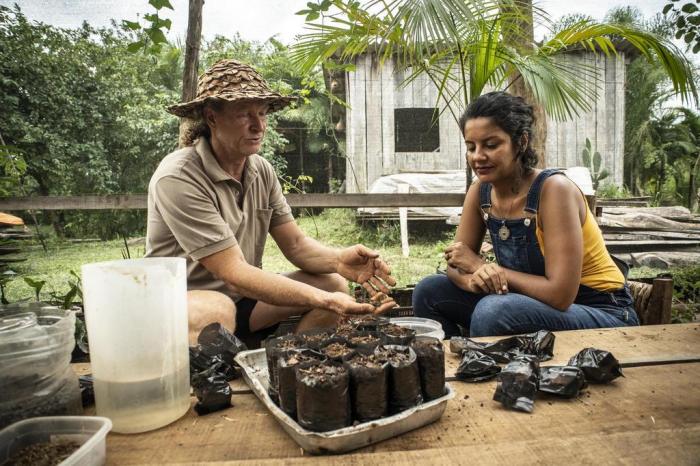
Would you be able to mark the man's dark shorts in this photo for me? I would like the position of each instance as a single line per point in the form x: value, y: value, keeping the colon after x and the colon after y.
x: 244, y: 309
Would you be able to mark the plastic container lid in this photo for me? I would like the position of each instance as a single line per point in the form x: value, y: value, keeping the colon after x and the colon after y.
x: 87, y: 431
x: 423, y: 327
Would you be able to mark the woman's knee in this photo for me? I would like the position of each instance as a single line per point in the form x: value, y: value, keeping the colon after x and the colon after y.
x: 493, y: 315
x: 205, y: 307
x: 424, y: 292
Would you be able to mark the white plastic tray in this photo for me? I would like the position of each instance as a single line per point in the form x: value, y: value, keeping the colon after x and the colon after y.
x: 423, y: 327
x: 254, y: 365
x: 87, y: 431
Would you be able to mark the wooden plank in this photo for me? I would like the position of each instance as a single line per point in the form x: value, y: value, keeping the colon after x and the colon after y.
x: 373, y: 120
x: 138, y: 201
x: 621, y: 247
x: 652, y: 415
x: 403, y: 221
x: 388, y: 91
x: 599, y: 449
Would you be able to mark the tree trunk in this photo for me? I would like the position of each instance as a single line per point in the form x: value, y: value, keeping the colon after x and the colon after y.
x: 189, y: 73
x: 524, y: 40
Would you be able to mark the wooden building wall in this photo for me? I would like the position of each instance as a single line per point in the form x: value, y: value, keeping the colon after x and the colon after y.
x: 373, y: 92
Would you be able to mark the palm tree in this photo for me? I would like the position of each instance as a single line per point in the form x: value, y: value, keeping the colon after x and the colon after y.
x: 465, y: 46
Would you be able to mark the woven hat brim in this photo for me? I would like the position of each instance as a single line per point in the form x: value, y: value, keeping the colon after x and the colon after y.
x: 191, y: 109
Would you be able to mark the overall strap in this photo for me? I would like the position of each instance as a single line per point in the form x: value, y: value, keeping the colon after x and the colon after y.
x: 533, y: 196
x: 485, y: 195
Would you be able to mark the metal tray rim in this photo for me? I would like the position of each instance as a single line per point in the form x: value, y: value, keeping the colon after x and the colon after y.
x: 348, y: 433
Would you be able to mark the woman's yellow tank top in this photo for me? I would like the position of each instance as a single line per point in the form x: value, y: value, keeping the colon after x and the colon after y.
x: 599, y: 271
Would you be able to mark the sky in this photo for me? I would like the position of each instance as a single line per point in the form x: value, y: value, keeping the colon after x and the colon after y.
x: 254, y: 19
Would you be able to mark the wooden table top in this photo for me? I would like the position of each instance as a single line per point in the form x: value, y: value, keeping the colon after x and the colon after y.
x: 651, y: 416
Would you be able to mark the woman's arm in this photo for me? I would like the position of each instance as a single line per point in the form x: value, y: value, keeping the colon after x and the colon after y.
x: 562, y: 212
x: 463, y: 254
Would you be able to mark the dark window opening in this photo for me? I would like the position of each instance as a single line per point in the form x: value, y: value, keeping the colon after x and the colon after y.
x: 416, y: 130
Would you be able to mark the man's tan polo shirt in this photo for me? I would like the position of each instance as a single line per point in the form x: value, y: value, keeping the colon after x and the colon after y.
x: 194, y: 211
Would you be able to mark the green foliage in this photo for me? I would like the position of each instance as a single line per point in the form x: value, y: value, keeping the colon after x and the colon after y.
x: 84, y: 114
x: 686, y: 289
x: 592, y: 160
x: 612, y: 191
x: 36, y: 285
x: 466, y: 47
x: 686, y: 19
x: 151, y: 38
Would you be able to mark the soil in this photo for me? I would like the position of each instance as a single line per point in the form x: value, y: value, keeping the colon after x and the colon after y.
x: 337, y: 350
x: 391, y: 356
x: 289, y: 344
x: 322, y: 373
x: 398, y: 331
x: 297, y: 358
x: 365, y: 361
x: 364, y: 339
x: 42, y: 454
x: 315, y: 338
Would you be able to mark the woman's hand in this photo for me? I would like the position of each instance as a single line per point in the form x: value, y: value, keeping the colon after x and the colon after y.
x: 490, y: 278
x: 460, y: 256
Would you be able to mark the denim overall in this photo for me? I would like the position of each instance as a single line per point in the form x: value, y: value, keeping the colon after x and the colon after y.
x: 521, y: 252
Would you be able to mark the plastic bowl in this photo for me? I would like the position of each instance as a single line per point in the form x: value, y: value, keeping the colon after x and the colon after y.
x: 87, y: 431
x: 423, y: 327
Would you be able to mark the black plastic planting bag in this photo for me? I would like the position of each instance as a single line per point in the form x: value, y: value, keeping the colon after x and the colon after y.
x: 274, y: 347
x: 517, y: 384
x: 369, y: 381
x: 323, y: 397
x: 599, y: 366
x: 212, y: 390
x: 564, y: 381
x: 215, y: 340
x: 287, y: 364
x: 539, y: 344
x: 315, y: 338
x: 476, y: 367
x: 365, y: 342
x: 396, y: 335
x: 431, y: 365
x: 87, y: 390
x: 404, y: 377
x: 370, y: 323
x: 336, y: 349
x: 200, y: 361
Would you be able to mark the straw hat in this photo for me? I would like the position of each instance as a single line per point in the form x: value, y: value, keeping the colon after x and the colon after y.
x: 230, y: 80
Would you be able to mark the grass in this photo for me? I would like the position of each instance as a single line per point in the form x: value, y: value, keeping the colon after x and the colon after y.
x: 333, y: 227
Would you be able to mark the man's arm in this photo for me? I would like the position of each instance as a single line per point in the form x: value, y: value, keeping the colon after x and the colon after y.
x: 356, y: 263
x: 230, y: 266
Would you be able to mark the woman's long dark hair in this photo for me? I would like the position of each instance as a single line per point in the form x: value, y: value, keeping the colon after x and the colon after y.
x: 513, y: 115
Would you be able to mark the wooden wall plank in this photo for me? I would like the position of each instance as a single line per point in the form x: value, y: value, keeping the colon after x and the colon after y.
x: 138, y: 201
x: 387, y: 116
x: 373, y: 120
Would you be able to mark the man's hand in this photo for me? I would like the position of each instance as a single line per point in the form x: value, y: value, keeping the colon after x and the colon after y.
x: 344, y: 305
x: 362, y: 265
x: 460, y: 256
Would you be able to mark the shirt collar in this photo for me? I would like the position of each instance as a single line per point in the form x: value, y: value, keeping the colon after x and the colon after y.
x: 214, y: 170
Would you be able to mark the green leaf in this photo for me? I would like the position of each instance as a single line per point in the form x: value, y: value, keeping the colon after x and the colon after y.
x: 603, y: 174
x: 157, y: 36
x: 158, y: 4
x: 597, y: 159
x: 689, y: 37
x: 689, y: 8
x: 133, y: 25
x: 694, y: 20
x: 667, y: 8
x: 135, y: 46
x: 696, y: 49
x: 302, y: 12
x: 313, y: 16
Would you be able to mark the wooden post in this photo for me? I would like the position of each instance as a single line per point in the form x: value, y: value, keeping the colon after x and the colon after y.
x: 403, y: 221
x: 190, y: 71
x: 660, y: 302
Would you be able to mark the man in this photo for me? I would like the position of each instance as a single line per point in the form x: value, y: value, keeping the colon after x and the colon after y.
x: 214, y: 203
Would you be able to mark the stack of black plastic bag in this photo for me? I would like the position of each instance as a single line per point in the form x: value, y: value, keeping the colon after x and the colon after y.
x: 522, y: 377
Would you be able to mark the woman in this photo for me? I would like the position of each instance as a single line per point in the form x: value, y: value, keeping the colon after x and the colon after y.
x: 552, y: 269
